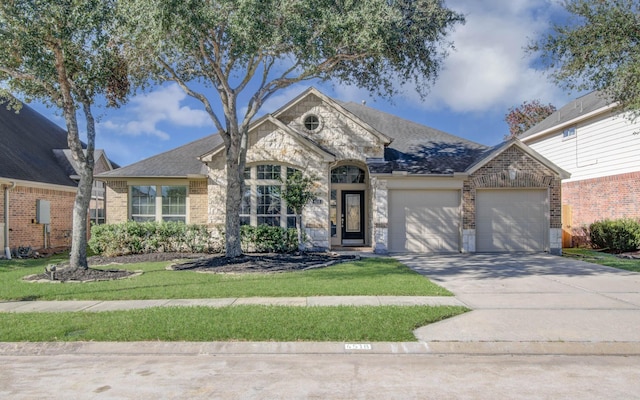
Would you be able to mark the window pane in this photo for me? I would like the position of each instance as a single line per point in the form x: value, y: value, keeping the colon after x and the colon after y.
x: 247, y: 173
x: 142, y: 219
x: 347, y: 174
x: 245, y: 220
x: 268, y: 200
x: 268, y: 172
x: 291, y: 222
x: 174, y: 219
x: 174, y: 201
x: 271, y: 221
x: 143, y: 202
x: 245, y: 205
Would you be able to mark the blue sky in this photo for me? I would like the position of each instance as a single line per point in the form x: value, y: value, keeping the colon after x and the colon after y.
x: 487, y: 73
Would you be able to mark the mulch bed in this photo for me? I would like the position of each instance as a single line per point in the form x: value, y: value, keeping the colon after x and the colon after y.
x: 212, y: 263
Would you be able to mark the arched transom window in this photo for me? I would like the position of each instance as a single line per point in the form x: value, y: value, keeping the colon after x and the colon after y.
x: 347, y: 174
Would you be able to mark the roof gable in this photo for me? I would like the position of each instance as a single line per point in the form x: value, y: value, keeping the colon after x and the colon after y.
x: 494, y: 152
x: 577, y: 110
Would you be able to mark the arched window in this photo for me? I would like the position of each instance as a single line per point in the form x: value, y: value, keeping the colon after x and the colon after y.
x: 347, y: 174
x: 262, y: 203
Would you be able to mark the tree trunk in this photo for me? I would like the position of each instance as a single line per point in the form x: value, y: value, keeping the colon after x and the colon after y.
x: 299, y: 229
x: 78, y: 256
x: 233, y: 246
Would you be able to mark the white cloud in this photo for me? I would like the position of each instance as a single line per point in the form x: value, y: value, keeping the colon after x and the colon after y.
x: 145, y: 112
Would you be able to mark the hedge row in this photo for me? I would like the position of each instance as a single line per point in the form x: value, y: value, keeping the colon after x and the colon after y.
x: 151, y: 237
x: 618, y: 236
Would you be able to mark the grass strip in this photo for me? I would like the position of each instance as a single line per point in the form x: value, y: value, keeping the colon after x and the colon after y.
x: 598, y: 257
x: 369, y: 276
x: 237, y: 323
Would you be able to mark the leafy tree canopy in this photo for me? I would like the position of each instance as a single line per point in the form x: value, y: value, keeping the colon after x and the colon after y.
x: 525, y: 116
x: 62, y: 52
x: 597, y: 49
x: 215, y: 50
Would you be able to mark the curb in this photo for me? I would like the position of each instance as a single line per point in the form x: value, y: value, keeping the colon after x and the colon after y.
x: 329, y: 348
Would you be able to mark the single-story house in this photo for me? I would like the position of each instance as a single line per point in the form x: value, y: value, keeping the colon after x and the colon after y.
x: 383, y: 183
x: 38, y: 180
x: 592, y: 139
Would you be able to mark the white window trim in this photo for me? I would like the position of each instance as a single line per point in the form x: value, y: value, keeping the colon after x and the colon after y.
x: 253, y: 184
x: 158, y: 201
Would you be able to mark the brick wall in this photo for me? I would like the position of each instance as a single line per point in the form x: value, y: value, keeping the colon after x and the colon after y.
x: 495, y: 174
x: 611, y: 197
x: 22, y: 213
x: 117, y: 207
x: 198, y: 202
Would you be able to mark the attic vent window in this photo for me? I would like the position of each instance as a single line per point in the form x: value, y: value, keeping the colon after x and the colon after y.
x: 569, y: 133
x: 311, y: 122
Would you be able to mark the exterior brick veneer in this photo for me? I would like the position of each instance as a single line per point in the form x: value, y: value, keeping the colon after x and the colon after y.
x: 495, y: 174
x: 610, y: 197
x: 198, y: 202
x: 117, y: 207
x: 530, y: 174
x: 22, y: 214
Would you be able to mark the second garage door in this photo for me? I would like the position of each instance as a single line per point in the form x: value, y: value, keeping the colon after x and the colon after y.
x: 511, y: 220
x: 422, y: 221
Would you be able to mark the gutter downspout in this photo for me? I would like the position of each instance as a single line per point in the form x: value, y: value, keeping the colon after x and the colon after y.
x: 7, y: 250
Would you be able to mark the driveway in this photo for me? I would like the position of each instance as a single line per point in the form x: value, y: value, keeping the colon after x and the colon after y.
x: 532, y: 298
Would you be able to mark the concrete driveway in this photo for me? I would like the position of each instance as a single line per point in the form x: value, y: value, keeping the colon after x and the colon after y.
x: 532, y: 298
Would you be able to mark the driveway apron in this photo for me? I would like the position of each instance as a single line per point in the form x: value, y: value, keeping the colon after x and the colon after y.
x: 532, y: 298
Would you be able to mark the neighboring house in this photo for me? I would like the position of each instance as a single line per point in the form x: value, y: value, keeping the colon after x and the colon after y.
x: 38, y: 180
x: 594, y: 141
x: 383, y: 183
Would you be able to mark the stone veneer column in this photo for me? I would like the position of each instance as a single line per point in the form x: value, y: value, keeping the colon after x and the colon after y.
x: 380, y: 216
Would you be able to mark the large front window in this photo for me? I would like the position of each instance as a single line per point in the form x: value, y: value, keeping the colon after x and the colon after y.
x: 262, y: 203
x: 170, y: 205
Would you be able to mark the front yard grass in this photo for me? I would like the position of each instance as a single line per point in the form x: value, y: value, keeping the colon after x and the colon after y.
x: 598, y: 257
x: 368, y: 276
x: 235, y: 323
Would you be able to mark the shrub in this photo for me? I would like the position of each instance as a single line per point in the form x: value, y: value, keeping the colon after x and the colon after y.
x: 149, y: 237
x: 616, y: 235
x: 268, y: 239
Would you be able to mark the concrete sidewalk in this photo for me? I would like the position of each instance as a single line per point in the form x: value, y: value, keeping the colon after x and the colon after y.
x: 325, y: 301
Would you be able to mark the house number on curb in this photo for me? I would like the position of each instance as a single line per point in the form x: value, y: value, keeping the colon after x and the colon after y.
x: 357, y: 346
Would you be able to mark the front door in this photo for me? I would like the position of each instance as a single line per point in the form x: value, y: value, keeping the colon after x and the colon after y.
x: 353, y: 216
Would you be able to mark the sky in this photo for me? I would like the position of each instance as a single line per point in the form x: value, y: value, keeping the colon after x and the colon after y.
x: 488, y: 72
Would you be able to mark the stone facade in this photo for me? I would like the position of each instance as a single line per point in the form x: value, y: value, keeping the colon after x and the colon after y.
x: 117, y: 208
x: 339, y: 140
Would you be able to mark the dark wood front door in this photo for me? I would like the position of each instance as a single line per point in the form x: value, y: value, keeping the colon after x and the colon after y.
x: 353, y: 215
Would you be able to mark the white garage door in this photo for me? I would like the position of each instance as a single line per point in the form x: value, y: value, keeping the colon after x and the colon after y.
x: 423, y: 221
x: 511, y: 220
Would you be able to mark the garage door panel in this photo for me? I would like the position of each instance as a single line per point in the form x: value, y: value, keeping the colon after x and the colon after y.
x: 511, y: 220
x: 424, y: 220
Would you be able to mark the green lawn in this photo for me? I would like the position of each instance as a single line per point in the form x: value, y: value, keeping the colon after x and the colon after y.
x: 244, y: 323
x: 369, y: 276
x: 598, y: 257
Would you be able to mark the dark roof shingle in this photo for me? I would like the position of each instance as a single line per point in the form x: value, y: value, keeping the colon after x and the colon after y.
x: 416, y: 148
x: 179, y: 162
x: 27, y: 145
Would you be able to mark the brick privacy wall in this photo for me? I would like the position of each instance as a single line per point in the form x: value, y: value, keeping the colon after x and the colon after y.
x: 495, y: 174
x: 610, y: 197
x: 22, y: 211
x: 117, y: 207
x: 198, y: 202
